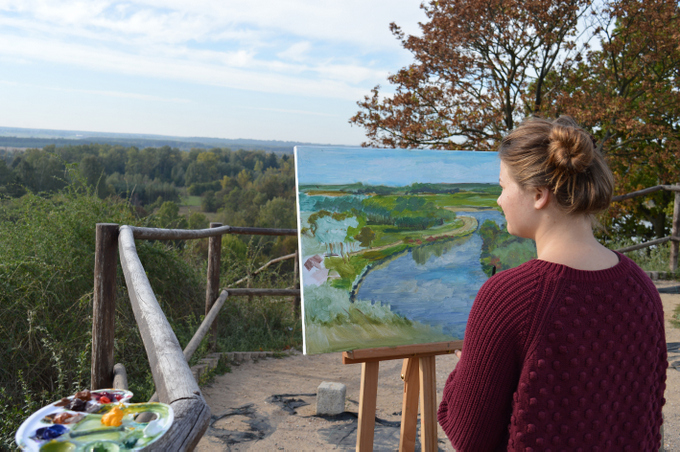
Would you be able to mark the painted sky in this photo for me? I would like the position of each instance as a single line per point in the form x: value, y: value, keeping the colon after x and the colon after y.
x: 393, y: 167
x: 274, y: 70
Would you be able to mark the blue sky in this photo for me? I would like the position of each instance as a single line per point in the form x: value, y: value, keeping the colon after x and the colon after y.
x: 394, y: 167
x: 271, y: 69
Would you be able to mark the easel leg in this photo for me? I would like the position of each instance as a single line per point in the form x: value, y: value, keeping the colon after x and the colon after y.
x: 367, y: 403
x: 409, y: 406
x: 428, y: 404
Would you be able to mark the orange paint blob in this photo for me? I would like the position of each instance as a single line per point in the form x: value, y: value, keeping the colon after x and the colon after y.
x: 113, y: 418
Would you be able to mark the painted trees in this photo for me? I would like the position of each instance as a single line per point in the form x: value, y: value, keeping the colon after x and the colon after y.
x: 473, y: 65
x: 335, y: 230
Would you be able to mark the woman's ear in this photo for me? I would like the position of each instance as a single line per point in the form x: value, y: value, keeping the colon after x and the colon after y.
x: 541, y: 198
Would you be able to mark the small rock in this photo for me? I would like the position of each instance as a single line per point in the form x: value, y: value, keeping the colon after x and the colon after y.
x: 330, y: 398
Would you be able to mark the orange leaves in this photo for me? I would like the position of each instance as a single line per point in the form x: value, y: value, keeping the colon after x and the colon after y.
x: 472, y: 65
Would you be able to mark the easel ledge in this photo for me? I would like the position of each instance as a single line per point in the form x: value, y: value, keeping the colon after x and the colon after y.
x: 418, y: 373
x: 368, y: 355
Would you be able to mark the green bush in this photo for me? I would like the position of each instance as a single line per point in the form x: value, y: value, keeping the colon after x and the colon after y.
x: 46, y: 282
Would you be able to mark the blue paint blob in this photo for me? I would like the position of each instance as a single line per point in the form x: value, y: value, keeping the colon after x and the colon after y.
x: 51, y: 432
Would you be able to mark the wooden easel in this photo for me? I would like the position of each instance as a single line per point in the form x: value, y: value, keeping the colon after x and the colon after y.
x: 420, y: 383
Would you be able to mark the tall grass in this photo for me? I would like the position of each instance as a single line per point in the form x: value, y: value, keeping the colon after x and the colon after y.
x: 46, y: 280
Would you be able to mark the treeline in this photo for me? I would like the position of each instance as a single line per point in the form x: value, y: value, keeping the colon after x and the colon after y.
x: 245, y: 188
x: 414, y: 189
x: 50, y: 202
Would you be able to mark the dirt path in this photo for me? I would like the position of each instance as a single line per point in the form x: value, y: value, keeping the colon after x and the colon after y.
x: 270, y: 404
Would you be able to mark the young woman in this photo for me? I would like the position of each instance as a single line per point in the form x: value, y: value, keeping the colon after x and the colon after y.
x: 566, y: 352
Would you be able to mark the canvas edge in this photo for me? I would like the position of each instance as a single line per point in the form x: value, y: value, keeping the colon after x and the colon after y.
x: 300, y: 263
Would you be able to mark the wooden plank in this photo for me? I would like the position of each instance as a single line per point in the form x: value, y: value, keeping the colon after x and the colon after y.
x: 190, y: 234
x: 171, y: 373
x: 262, y: 292
x: 104, y: 306
x: 200, y: 333
x: 400, y: 352
x: 644, y: 244
x: 212, y: 287
x: 367, y: 402
x: 675, y: 232
x: 202, y: 330
x: 428, y: 404
x: 120, y: 377
x: 646, y: 191
x: 273, y: 261
x: 191, y: 420
x: 409, y: 406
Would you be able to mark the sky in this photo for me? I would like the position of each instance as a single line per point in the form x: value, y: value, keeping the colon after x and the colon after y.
x: 288, y: 70
x: 394, y: 167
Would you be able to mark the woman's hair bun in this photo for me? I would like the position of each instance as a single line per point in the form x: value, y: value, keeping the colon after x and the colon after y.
x: 570, y: 148
x: 561, y: 156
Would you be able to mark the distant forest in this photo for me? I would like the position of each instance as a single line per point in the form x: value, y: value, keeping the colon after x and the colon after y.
x: 185, y: 145
x: 243, y: 188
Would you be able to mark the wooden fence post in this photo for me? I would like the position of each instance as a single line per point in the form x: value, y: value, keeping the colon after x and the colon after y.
x: 212, y: 288
x: 296, y: 300
x: 104, y: 305
x: 675, y: 232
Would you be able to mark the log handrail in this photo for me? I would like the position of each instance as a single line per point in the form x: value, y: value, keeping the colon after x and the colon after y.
x: 175, y: 384
x: 174, y: 381
x: 646, y: 191
x: 675, y: 230
x: 190, y: 234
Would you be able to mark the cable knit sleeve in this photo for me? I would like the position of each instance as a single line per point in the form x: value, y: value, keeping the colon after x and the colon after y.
x: 477, y: 401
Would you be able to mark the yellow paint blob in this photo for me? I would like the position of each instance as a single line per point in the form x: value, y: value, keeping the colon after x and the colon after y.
x: 113, y: 418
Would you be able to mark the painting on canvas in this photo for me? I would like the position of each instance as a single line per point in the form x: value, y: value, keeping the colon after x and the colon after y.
x: 395, y: 243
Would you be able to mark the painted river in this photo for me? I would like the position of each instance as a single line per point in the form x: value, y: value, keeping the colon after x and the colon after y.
x: 434, y: 284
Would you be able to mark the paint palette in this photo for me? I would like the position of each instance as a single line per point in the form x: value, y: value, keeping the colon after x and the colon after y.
x: 69, y: 425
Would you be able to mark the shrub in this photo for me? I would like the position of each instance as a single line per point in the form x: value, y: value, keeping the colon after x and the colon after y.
x: 46, y: 282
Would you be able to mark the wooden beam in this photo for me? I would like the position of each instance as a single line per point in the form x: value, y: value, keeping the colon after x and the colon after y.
x: 212, y: 287
x: 675, y: 232
x: 428, y: 404
x: 400, y: 352
x: 104, y: 306
x: 646, y: 191
x: 367, y: 402
x: 120, y: 377
x: 200, y: 333
x: 273, y: 261
x: 202, y: 330
x: 644, y: 244
x: 172, y: 376
x: 192, y: 417
x: 190, y: 234
x: 262, y: 292
x: 409, y: 406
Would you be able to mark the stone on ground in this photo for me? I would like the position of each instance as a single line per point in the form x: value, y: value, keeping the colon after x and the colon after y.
x: 330, y: 398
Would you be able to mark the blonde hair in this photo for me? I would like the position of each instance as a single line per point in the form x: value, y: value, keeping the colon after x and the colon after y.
x: 562, y: 156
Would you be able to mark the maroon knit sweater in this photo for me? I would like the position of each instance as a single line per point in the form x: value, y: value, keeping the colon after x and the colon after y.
x: 558, y: 359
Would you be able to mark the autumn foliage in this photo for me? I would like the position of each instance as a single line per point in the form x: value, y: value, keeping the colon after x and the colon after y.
x: 482, y: 66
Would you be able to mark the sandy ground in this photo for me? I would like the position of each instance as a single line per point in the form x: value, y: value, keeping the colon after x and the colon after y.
x: 270, y: 404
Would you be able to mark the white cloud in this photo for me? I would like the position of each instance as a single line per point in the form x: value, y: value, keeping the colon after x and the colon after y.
x: 323, y: 39
x: 296, y: 52
x: 321, y: 52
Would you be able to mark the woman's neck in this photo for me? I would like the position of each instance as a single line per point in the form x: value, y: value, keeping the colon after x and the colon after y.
x: 568, y: 240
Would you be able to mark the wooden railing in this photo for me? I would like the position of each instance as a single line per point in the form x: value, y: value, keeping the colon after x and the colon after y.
x: 175, y: 384
x: 674, y: 238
